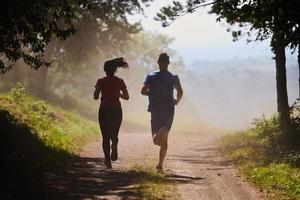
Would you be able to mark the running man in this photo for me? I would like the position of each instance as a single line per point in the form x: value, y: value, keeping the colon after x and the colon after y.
x: 112, y: 88
x: 159, y: 87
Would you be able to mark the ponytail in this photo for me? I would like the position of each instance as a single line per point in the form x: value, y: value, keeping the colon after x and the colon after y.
x: 110, y: 66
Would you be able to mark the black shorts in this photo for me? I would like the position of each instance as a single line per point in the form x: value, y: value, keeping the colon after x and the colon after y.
x: 161, y: 119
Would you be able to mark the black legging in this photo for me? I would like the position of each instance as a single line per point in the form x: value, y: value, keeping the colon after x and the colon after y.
x: 110, y: 119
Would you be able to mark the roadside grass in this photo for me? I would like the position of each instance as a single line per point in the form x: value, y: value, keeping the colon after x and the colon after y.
x: 265, y: 160
x: 35, y: 137
x: 152, y: 185
x: 56, y: 127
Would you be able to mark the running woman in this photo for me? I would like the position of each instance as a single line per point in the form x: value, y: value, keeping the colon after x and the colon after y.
x: 112, y: 88
x: 159, y: 87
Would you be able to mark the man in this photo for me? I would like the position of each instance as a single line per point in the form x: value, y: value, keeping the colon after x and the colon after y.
x: 159, y: 87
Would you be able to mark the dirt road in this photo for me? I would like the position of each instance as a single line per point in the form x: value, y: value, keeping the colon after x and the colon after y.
x: 193, y: 163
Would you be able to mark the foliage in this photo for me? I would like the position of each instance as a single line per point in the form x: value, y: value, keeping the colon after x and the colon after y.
x: 269, y: 19
x: 55, y: 127
x: 265, y: 158
x: 36, y: 137
x: 27, y: 27
x: 282, y: 179
x: 295, y: 116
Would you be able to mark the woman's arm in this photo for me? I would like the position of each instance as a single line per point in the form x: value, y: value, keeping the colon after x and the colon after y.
x: 96, y: 93
x: 145, y: 90
x: 124, y: 95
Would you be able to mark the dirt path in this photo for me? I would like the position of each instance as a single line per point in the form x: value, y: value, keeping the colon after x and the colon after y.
x: 193, y: 164
x: 213, y: 176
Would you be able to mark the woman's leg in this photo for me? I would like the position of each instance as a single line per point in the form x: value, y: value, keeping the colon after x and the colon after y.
x: 103, y: 121
x: 117, y: 120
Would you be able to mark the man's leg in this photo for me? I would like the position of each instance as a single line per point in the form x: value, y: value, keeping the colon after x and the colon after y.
x: 163, y: 149
x: 160, y: 136
x: 156, y: 138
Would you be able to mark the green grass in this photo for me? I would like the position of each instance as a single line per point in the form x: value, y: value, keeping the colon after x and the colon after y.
x: 265, y: 160
x: 152, y: 185
x: 36, y: 137
x: 57, y: 128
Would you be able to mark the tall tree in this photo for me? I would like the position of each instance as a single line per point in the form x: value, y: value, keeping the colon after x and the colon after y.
x: 26, y: 27
x: 275, y: 19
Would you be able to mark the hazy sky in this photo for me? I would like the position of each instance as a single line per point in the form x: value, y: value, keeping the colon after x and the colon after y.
x: 199, y: 37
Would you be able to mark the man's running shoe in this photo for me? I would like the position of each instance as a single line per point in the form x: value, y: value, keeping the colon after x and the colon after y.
x: 159, y: 169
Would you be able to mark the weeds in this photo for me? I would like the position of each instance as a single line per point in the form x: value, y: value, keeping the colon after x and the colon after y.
x: 34, y: 137
x: 264, y: 157
x: 153, y: 185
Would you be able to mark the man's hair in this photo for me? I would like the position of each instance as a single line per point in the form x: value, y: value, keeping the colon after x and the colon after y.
x: 110, y: 66
x: 163, y: 57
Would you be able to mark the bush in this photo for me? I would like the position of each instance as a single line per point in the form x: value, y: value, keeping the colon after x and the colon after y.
x: 265, y: 158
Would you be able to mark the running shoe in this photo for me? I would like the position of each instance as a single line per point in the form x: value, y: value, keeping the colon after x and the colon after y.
x: 107, y: 164
x: 114, y: 152
x: 159, y: 169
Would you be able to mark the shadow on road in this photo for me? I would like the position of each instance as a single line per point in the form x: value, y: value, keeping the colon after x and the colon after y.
x: 175, y: 178
x: 87, y: 178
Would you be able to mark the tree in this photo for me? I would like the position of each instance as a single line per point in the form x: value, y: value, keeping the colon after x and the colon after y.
x: 100, y: 26
x: 101, y: 31
x: 275, y: 19
x: 26, y: 27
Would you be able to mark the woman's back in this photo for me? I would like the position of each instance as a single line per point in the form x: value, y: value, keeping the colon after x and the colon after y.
x: 110, y: 87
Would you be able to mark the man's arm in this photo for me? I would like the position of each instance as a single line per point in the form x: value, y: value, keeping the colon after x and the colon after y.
x: 145, y: 90
x: 179, y: 93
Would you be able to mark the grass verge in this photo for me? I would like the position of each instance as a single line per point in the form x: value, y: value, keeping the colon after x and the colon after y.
x: 267, y: 162
x: 36, y: 136
x: 152, y: 185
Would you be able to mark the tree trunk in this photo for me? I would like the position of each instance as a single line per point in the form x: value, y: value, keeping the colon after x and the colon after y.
x: 41, y: 80
x: 281, y: 85
x: 299, y: 67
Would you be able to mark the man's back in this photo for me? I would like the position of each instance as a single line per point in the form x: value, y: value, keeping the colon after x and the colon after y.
x: 161, y: 86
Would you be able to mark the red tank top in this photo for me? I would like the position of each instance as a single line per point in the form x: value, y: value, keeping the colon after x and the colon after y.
x: 110, y: 87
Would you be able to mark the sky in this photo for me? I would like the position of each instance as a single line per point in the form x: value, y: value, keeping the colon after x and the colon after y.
x: 199, y: 37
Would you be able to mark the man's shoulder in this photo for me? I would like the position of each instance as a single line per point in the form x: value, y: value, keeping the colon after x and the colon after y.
x: 153, y: 73
x: 171, y: 75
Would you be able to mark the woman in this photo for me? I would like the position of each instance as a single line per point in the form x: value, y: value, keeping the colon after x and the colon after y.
x: 112, y: 88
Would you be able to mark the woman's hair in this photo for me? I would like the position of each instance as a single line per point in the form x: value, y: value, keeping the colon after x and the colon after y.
x: 163, y: 58
x: 110, y: 66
